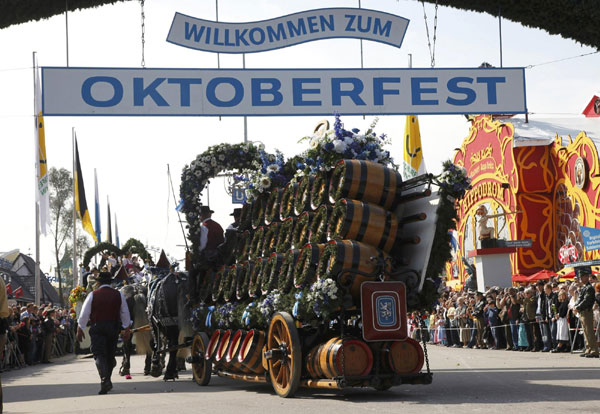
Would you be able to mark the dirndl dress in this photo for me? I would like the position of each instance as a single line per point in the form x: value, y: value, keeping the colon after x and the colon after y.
x: 523, y: 342
x: 562, y: 329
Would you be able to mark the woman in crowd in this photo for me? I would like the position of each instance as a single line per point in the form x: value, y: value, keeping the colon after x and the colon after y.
x: 562, y: 326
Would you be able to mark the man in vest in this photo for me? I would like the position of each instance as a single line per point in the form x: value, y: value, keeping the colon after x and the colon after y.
x: 584, y: 304
x: 106, y: 310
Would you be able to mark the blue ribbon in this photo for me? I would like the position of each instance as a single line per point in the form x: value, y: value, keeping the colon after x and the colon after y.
x: 296, y: 305
x: 208, y: 323
x: 246, y: 314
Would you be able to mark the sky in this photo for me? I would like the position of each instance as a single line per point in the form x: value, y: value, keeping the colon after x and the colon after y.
x: 131, y: 154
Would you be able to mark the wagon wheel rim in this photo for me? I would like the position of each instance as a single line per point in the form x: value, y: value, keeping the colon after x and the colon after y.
x: 284, y: 370
x: 201, y: 369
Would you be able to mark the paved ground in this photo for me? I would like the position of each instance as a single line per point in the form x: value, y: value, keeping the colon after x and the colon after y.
x: 464, y: 381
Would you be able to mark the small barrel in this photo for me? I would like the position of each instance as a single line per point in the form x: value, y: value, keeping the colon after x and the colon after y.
x: 364, y: 222
x: 272, y: 209
x: 213, y: 345
x: 271, y: 273
x: 319, y: 193
x: 366, y: 181
x: 302, y: 230
x: 405, y: 357
x: 270, y: 240
x: 320, y: 224
x: 349, y: 254
x: 250, y: 353
x: 256, y: 246
x: 221, y: 353
x: 302, y: 199
x: 306, y: 267
x: 286, y: 273
x: 327, y: 360
x: 258, y: 211
x: 286, y: 206
x: 235, y: 344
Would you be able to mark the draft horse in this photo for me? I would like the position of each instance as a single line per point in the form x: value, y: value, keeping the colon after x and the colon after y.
x: 136, y: 297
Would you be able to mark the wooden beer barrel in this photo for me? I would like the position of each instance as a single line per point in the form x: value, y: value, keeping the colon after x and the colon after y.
x: 405, y: 357
x: 302, y: 230
x: 241, y: 290
x: 286, y: 234
x: 326, y: 361
x: 319, y: 224
x: 366, y: 181
x: 302, y: 199
x: 286, y: 206
x: 306, y: 267
x: 224, y: 341
x: 368, y: 223
x: 349, y: 254
x: 270, y: 240
x: 235, y: 344
x: 271, y: 273
x: 213, y: 344
x: 233, y: 277
x: 319, y: 193
x: 250, y: 354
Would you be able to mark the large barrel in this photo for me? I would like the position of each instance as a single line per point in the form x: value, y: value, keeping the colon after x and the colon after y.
x: 368, y: 223
x: 319, y: 192
x: 250, y: 354
x: 337, y: 357
x: 320, y: 224
x: 286, y: 273
x: 349, y: 254
x: 286, y: 206
x: 308, y: 262
x: 302, y: 230
x: 218, y: 284
x: 405, y: 357
x: 272, y: 209
x: 256, y: 246
x: 302, y: 199
x: 271, y: 273
x: 241, y: 290
x: 256, y: 277
x: 235, y: 345
x: 221, y: 353
x: 286, y: 234
x: 213, y: 345
x: 270, y: 240
x: 366, y: 181
x: 258, y: 211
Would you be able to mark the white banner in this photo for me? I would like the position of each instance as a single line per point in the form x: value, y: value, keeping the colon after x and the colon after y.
x: 273, y: 92
x: 211, y: 36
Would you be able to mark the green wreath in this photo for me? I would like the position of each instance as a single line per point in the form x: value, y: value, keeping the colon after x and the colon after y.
x: 131, y: 246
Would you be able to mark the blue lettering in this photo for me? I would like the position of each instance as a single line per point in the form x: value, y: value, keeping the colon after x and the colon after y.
x: 296, y: 30
x: 354, y: 93
x: 491, y: 87
x: 240, y: 37
x: 184, y: 88
x: 364, y: 29
x: 417, y: 91
x: 258, y: 91
x: 86, y: 91
x: 312, y: 24
x: 261, y: 37
x: 379, y: 91
x: 227, y: 42
x: 207, y: 37
x: 193, y: 31
x: 350, y: 18
x: 298, y: 91
x: 216, y: 38
x: 327, y: 21
x: 212, y: 96
x: 469, y: 93
x: 140, y: 93
x: 382, y: 30
x: 276, y: 35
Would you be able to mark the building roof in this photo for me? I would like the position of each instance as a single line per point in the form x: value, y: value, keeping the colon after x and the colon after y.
x: 541, y: 130
x: 22, y: 274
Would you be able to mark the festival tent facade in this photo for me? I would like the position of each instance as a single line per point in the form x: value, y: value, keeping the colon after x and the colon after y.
x: 21, y: 274
x: 543, y: 174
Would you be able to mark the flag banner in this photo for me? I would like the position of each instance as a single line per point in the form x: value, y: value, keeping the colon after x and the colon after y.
x: 282, y: 92
x: 9, y: 290
x: 293, y: 29
x: 97, y: 208
x: 591, y: 238
x: 109, y: 230
x: 413, y: 163
x: 80, y: 201
x: 180, y: 205
x: 18, y: 292
x: 42, y: 191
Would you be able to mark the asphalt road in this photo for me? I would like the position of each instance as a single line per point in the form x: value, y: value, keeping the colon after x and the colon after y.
x: 465, y: 380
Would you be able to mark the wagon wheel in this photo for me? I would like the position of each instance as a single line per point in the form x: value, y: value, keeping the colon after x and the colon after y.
x: 201, y: 368
x: 284, y: 355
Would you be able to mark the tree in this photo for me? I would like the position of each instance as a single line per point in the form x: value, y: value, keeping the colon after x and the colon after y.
x: 61, y: 219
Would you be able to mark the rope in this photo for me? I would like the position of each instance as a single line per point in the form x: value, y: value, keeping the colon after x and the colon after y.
x: 562, y: 60
x: 431, y: 49
x: 143, y: 63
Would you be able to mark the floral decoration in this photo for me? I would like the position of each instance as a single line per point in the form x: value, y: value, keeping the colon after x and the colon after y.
x: 271, y: 273
x: 272, y: 211
x: 286, y: 232
x: 270, y: 240
x: 324, y: 298
x: 286, y: 206
x: 319, y: 192
x: 256, y: 247
x: 302, y: 230
x: 285, y: 281
x: 302, y: 199
x: 319, y: 225
x: 78, y: 294
x: 244, y: 280
x: 306, y: 267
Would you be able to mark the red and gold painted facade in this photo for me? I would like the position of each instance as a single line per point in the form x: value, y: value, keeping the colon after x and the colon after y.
x: 539, y: 182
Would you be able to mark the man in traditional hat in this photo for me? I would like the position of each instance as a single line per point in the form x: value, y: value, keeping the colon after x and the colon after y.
x: 584, y: 304
x: 106, y: 310
x: 237, y: 212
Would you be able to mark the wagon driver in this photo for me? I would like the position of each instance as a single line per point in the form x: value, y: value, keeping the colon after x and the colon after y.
x: 106, y: 310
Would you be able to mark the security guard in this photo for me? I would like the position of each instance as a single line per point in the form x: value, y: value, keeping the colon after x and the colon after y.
x: 106, y: 310
x: 584, y: 304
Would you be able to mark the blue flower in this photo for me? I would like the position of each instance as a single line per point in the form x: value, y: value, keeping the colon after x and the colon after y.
x: 355, y: 130
x: 328, y: 147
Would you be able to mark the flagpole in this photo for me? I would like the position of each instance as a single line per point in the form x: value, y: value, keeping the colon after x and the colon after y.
x: 37, y: 204
x: 75, y: 272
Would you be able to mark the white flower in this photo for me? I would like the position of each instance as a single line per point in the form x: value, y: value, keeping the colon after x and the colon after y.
x: 265, y: 182
x: 348, y: 140
x: 273, y: 168
x: 198, y: 173
x: 360, y: 138
x: 213, y: 162
x: 339, y: 146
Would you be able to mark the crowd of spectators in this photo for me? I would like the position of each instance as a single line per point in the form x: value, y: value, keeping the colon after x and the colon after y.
x: 36, y: 335
x: 540, y: 317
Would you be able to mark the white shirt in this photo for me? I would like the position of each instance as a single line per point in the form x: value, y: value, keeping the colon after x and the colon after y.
x: 86, y: 310
x: 203, y: 235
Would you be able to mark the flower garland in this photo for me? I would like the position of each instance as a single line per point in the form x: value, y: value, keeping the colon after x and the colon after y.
x: 241, y: 291
x: 256, y: 278
x: 243, y: 245
x: 268, y: 172
x: 286, y: 273
x: 271, y: 273
x: 302, y: 230
x: 270, y: 239
x: 217, y: 287
x: 272, y: 212
x: 78, y: 294
x: 268, y: 306
x: 319, y: 192
x: 319, y: 225
x: 286, y: 233
x: 258, y: 211
x: 233, y: 276
x: 286, y: 206
x: 302, y: 198
x: 323, y: 299
x: 224, y: 315
x: 256, y: 247
x: 306, y: 266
